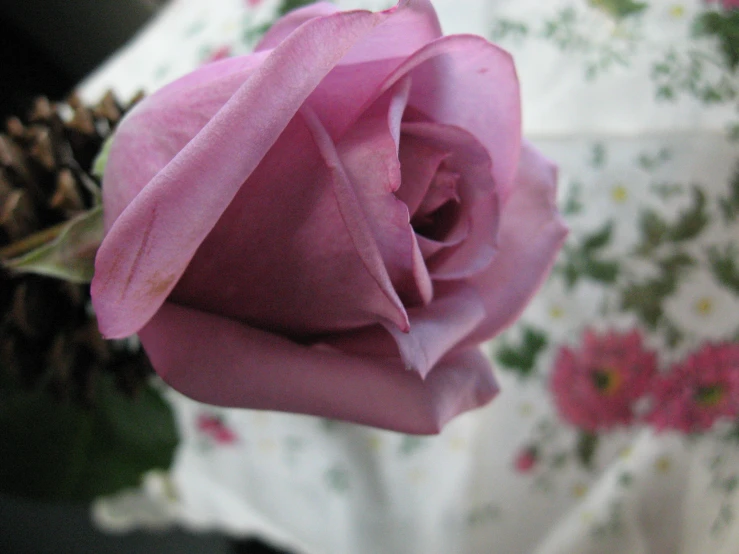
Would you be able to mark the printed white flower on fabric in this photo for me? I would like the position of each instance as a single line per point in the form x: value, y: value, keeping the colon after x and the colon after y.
x: 703, y: 309
x: 562, y: 311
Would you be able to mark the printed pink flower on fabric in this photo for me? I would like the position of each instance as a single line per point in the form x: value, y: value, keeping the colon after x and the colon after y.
x: 220, y: 53
x: 526, y: 460
x: 213, y: 427
x: 595, y: 387
x: 727, y: 4
x: 696, y: 393
x: 332, y: 224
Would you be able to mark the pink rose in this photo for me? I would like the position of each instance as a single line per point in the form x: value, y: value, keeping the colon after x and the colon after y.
x: 332, y: 224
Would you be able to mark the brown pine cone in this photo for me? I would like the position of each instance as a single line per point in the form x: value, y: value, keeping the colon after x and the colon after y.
x: 48, y: 334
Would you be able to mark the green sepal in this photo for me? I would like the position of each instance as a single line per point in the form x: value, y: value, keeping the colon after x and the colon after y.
x: 66, y: 252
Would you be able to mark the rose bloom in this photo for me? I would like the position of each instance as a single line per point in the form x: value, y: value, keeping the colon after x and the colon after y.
x: 596, y: 386
x: 699, y: 391
x: 332, y: 224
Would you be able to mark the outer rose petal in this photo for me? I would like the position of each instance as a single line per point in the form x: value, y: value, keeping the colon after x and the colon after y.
x: 531, y: 234
x: 222, y: 362
x: 291, y: 21
x: 158, y: 128
x: 455, y: 75
x: 355, y: 83
x: 282, y: 257
x: 413, y: 23
x: 435, y: 330
x: 152, y: 242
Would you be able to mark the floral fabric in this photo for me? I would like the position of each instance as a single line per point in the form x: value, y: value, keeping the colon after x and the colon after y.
x: 617, y: 426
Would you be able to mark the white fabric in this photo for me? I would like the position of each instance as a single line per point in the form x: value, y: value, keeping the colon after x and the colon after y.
x: 321, y: 487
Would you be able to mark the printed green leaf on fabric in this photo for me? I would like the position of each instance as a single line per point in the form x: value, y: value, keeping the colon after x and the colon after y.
x: 584, y: 261
x: 724, y: 25
x: 587, y: 445
x: 693, y: 220
x: 522, y: 357
x: 290, y: 5
x: 619, y: 8
x: 645, y: 299
x: 655, y: 231
x: 730, y: 204
x: 725, y: 266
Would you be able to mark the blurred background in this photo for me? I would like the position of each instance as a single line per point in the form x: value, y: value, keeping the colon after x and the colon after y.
x: 46, y: 46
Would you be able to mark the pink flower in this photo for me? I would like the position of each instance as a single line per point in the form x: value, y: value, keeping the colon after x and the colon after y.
x: 213, y: 427
x: 727, y: 4
x: 332, y: 224
x: 694, y: 394
x: 526, y: 460
x: 595, y: 387
x: 218, y: 54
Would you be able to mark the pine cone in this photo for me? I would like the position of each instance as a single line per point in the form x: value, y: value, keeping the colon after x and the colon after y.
x: 48, y: 334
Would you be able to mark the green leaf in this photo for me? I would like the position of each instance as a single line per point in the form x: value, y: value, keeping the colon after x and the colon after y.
x: 587, y: 445
x: 673, y: 335
x: 599, y: 239
x: 65, y: 252
x: 290, y: 5
x: 723, y: 25
x: 573, y: 204
x: 619, y: 8
x: 724, y: 266
x: 730, y: 204
x: 522, y: 357
x: 101, y: 160
x: 654, y: 231
x: 63, y: 451
x: 410, y: 444
x: 571, y: 274
x: 505, y: 28
x: 645, y: 300
x: 692, y: 221
x: 605, y: 272
x: 598, y: 155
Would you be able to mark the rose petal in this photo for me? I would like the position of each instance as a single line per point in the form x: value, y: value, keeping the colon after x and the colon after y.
x: 156, y: 129
x: 469, y: 245
x: 291, y: 21
x: 369, y: 152
x: 151, y: 243
x: 419, y: 162
x: 531, y: 234
x: 411, y: 25
x: 355, y: 217
x: 281, y: 257
x: 455, y: 75
x: 355, y: 83
x: 219, y: 361
x: 435, y: 329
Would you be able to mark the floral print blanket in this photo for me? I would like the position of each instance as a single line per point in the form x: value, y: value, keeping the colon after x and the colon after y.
x: 617, y: 428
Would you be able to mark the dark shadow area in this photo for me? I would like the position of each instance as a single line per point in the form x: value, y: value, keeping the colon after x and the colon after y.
x: 28, y: 527
x: 47, y: 46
